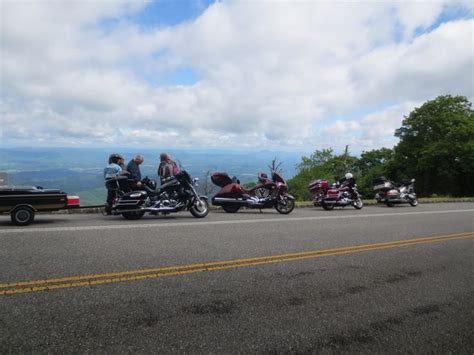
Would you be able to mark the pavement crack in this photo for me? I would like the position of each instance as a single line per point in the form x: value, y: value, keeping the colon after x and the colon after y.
x: 426, y: 309
x: 217, y: 307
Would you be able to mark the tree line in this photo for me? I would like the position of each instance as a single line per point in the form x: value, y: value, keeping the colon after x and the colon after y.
x: 436, y: 147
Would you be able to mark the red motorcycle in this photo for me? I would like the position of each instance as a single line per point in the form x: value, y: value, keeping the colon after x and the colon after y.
x: 338, y: 194
x: 268, y: 193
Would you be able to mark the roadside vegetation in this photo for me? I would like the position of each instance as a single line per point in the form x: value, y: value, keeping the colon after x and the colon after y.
x: 436, y: 148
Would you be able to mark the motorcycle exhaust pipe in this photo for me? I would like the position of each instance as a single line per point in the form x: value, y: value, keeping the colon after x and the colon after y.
x: 120, y: 211
x: 253, y: 201
x: 225, y: 200
x: 161, y: 209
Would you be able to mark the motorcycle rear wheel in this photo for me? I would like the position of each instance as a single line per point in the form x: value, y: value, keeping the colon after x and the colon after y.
x: 327, y: 206
x: 200, y: 208
x: 132, y: 216
x: 285, y: 205
x: 231, y: 208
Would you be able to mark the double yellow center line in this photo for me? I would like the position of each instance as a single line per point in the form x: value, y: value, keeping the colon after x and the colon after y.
x: 134, y: 275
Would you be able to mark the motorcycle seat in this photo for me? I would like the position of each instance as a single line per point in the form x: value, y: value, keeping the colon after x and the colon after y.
x: 173, y: 182
x: 151, y: 191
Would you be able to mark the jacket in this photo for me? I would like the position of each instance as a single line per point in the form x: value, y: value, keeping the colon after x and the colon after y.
x: 134, y: 169
x: 112, y: 170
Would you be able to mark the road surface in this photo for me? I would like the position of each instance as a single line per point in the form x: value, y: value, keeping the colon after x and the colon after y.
x: 376, y: 280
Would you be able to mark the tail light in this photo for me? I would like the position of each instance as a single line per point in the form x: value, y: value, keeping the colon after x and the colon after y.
x: 73, y: 200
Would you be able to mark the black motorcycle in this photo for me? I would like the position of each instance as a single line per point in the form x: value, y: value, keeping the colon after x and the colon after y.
x: 132, y: 201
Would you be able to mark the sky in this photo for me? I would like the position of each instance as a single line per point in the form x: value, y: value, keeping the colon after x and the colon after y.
x: 275, y: 75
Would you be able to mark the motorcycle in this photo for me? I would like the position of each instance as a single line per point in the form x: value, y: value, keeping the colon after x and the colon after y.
x: 391, y: 193
x: 336, y: 195
x: 268, y: 193
x: 132, y: 201
x: 319, y: 189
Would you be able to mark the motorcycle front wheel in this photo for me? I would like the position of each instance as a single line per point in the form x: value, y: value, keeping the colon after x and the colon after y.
x: 200, y: 208
x: 285, y: 205
x: 413, y: 202
x: 358, y: 204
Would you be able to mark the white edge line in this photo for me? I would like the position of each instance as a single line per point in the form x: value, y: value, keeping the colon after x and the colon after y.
x: 204, y: 223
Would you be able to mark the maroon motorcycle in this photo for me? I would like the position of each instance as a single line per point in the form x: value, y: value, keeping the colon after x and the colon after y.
x: 268, y: 193
x: 339, y: 194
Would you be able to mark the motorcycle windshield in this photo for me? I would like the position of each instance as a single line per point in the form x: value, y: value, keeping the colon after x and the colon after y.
x: 278, y: 178
x: 221, y: 179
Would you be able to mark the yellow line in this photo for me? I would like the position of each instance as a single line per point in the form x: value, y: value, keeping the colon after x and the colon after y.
x: 210, y: 264
x: 101, y: 279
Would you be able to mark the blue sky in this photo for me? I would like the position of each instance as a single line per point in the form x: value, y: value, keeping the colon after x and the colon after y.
x: 169, y: 13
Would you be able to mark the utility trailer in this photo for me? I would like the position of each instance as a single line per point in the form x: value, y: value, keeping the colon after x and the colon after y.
x: 22, y: 202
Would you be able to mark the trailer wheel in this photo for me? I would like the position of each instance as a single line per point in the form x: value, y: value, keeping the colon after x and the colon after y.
x: 22, y: 216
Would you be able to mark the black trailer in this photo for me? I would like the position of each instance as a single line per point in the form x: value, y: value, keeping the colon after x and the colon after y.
x: 21, y: 202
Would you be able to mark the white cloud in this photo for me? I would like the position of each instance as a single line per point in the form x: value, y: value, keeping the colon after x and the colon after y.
x: 271, y: 74
x: 372, y: 130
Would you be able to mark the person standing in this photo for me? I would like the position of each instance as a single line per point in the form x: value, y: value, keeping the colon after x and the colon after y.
x: 133, y: 167
x: 111, y: 171
x: 167, y: 168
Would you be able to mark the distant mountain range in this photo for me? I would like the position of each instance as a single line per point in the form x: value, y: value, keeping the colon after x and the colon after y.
x: 79, y: 170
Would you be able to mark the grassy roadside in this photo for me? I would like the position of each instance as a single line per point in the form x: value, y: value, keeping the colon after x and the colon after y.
x: 303, y: 204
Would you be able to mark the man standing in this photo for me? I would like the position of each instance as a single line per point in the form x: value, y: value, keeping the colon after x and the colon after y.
x: 133, y: 167
x: 111, y: 171
x: 167, y: 168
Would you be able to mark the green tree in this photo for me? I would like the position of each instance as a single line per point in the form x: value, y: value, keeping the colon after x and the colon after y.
x: 374, y: 159
x: 318, y: 158
x: 437, y: 147
x: 322, y: 164
x: 371, y: 165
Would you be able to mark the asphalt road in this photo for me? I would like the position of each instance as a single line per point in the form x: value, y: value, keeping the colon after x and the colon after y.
x: 376, y: 280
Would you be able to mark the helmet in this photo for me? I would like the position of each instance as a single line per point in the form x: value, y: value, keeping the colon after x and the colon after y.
x: 114, y: 158
x: 349, y: 176
x: 262, y: 177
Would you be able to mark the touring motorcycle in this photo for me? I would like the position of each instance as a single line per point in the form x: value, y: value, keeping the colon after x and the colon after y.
x: 390, y: 193
x: 177, y: 194
x: 268, y: 193
x: 340, y: 195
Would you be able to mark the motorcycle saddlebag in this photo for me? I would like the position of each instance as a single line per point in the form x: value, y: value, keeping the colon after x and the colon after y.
x: 131, y: 200
x: 332, y: 194
x: 221, y: 179
x: 318, y: 184
x: 119, y: 183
